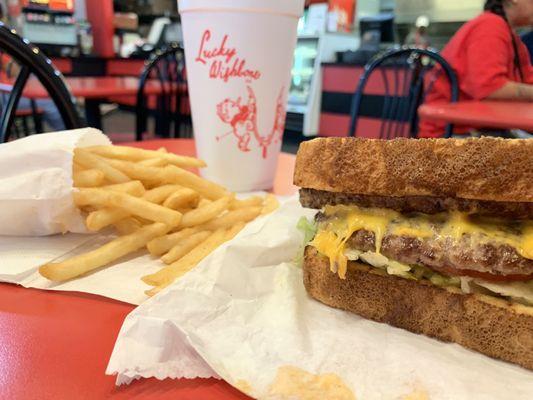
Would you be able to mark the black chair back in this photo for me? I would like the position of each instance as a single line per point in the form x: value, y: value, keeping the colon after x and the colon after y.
x: 404, y: 76
x: 31, y: 62
x: 166, y: 67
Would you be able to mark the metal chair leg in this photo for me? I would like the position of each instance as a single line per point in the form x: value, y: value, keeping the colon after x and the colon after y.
x: 25, y: 127
x: 37, y: 118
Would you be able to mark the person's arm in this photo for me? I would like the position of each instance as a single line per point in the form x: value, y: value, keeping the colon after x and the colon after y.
x: 513, y: 91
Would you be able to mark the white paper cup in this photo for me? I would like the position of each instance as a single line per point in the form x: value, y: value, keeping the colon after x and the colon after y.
x: 239, y: 56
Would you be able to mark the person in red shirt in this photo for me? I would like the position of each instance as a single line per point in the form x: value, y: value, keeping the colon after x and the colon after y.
x: 489, y: 59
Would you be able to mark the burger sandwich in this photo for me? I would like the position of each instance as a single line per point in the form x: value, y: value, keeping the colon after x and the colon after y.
x: 430, y: 235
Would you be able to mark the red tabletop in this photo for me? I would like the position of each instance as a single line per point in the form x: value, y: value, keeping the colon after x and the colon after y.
x: 56, y: 345
x: 91, y: 87
x: 482, y: 114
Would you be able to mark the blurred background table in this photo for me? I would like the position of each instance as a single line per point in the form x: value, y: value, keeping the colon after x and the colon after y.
x: 482, y: 114
x: 95, y: 90
x: 56, y: 345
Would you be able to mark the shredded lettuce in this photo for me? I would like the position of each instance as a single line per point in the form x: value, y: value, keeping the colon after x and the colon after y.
x: 308, y: 228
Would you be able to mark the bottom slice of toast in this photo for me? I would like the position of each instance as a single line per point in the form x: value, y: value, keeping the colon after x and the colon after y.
x: 489, y: 325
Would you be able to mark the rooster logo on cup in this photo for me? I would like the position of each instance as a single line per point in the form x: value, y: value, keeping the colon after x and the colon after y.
x: 242, y: 117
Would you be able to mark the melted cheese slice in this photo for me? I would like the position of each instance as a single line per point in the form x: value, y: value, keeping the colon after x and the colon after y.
x: 343, y: 221
x: 330, y: 240
x: 526, y: 247
x: 459, y: 224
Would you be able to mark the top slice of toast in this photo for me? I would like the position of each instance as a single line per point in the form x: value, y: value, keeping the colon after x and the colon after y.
x: 490, y: 169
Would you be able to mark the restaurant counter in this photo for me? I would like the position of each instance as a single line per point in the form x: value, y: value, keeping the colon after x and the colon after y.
x: 339, y: 82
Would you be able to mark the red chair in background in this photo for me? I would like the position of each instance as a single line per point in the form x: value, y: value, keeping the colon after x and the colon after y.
x: 30, y: 61
x: 170, y: 108
x: 406, y: 75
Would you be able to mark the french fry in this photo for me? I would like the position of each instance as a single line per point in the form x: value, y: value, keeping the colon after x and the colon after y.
x: 163, y: 244
x: 203, y: 214
x: 153, y: 291
x: 145, y: 195
x: 134, y: 188
x: 88, y: 178
x: 184, y: 246
x: 182, y: 198
x: 130, y: 204
x: 203, y: 202
x: 89, y: 160
x: 88, y: 209
x: 135, y: 154
x: 99, y: 219
x: 271, y: 203
x: 168, y: 274
x: 232, y: 218
x: 154, y: 162
x: 136, y: 170
x: 162, y: 150
x: 152, y: 184
x: 127, y: 225
x: 159, y: 194
x: 77, y: 167
x: 102, y: 256
x: 143, y: 221
x: 233, y: 231
x: 170, y: 175
x: 184, y: 210
x: 205, y: 188
x: 249, y: 202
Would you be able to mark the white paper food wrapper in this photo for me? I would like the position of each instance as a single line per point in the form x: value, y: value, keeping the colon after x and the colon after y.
x: 245, y: 311
x: 36, y: 199
x: 20, y: 258
x: 36, y: 183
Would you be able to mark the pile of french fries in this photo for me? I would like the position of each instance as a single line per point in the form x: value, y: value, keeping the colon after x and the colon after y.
x: 152, y: 201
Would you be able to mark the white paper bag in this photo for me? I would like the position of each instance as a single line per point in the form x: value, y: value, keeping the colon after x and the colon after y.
x: 36, y: 183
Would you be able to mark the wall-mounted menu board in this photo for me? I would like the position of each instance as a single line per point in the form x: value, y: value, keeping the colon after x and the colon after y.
x: 61, y: 5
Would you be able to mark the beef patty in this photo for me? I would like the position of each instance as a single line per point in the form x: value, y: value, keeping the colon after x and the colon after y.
x: 312, y: 198
x: 464, y: 258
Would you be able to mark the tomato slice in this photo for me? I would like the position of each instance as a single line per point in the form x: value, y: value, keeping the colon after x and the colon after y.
x: 483, y: 275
